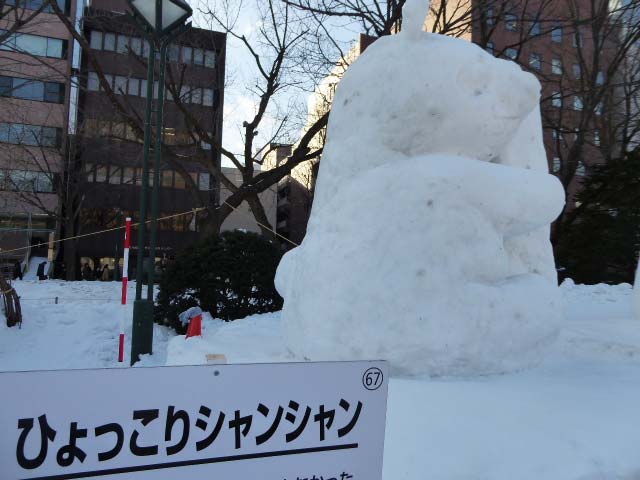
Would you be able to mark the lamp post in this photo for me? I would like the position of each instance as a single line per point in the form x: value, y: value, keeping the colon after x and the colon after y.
x: 160, y: 22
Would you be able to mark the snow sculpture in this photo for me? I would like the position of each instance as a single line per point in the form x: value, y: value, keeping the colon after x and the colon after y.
x: 428, y: 240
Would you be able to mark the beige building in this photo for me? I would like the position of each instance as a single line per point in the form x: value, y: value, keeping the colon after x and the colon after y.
x: 36, y: 62
x: 242, y: 218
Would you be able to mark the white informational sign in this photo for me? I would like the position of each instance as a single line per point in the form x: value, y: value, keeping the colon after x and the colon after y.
x: 287, y: 421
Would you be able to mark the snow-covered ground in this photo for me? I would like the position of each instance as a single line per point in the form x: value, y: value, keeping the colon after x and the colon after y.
x: 80, y: 331
x: 575, y: 417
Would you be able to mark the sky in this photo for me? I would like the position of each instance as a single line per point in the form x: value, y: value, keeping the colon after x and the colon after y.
x: 239, y: 103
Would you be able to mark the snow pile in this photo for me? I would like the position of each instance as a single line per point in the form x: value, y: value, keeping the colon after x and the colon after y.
x: 573, y: 417
x: 34, y: 262
x: 428, y: 240
x: 80, y: 331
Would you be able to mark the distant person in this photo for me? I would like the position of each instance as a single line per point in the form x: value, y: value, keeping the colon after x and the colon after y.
x: 40, y: 271
x: 86, y: 272
x: 105, y: 273
x: 17, y: 270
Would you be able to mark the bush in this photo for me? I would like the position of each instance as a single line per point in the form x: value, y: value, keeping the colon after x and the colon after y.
x: 230, y: 275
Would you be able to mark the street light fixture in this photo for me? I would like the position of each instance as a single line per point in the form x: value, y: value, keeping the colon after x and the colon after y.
x: 160, y: 21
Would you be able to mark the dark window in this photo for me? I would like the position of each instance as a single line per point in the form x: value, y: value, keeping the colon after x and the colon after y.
x: 535, y: 28
x: 54, y: 92
x: 5, y: 86
x: 174, y: 52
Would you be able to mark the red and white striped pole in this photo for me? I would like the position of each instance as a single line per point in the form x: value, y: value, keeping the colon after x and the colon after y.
x: 125, y: 279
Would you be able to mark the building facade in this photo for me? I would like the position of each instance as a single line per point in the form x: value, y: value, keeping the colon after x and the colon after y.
x: 108, y: 150
x: 36, y: 52
x: 554, y: 41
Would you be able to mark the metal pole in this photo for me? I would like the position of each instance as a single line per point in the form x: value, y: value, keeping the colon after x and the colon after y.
x: 145, y: 169
x: 142, y: 329
x: 156, y: 171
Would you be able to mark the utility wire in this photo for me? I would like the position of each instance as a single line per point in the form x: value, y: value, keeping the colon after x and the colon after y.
x: 99, y: 232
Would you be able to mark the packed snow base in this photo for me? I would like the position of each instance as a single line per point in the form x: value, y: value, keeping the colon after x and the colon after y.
x: 428, y: 239
x: 574, y: 417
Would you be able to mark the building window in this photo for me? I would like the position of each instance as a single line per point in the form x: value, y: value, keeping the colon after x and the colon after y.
x: 146, y: 49
x: 577, y: 71
x: 556, y: 100
x: 198, y: 56
x: 598, y: 110
x: 511, y: 22
x: 203, y: 181
x: 136, y: 45
x: 123, y: 44
x: 600, y: 78
x: 556, y: 66
x: 127, y: 175
x: 490, y: 47
x: 134, y: 87
x: 535, y: 28
x: 26, y: 89
x: 110, y: 42
x: 143, y: 88
x: 556, y: 165
x: 96, y: 40
x: 174, y: 53
x: 109, y: 79
x: 115, y: 175
x: 179, y: 181
x: 90, y: 171
x: 578, y: 39
x: 54, y: 92
x: 596, y: 138
x: 556, y: 34
x: 101, y: 173
x: 167, y: 178
x: 120, y: 85
x: 33, y: 135
x: 577, y: 103
x: 35, y: 45
x: 512, y: 53
x: 207, y: 97
x: 37, y: 4
x: 185, y: 94
x: 196, y: 96
x: 581, y: 170
x: 209, y: 58
x: 488, y: 14
x: 535, y: 61
x: 44, y: 182
x: 187, y: 53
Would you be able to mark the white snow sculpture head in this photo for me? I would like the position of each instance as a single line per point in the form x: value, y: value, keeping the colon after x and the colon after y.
x: 428, y: 240
x: 419, y: 93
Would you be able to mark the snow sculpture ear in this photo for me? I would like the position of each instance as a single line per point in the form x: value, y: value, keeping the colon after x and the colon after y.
x: 414, y: 14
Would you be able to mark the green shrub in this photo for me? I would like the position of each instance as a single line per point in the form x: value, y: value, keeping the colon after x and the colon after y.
x: 229, y: 275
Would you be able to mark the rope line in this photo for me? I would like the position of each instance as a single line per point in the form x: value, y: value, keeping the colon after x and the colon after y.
x: 106, y: 230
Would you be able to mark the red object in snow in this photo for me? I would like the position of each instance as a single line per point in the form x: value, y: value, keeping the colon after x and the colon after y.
x: 195, y: 327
